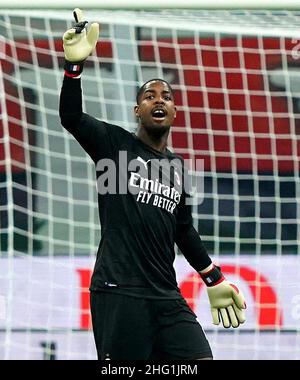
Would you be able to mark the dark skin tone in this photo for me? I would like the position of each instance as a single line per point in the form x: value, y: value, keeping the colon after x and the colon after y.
x: 154, y: 129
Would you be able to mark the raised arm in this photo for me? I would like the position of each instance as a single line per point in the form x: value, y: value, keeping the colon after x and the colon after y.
x: 78, y: 43
x: 70, y: 103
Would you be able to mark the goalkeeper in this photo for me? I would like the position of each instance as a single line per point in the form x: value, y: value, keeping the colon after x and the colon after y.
x: 136, y: 306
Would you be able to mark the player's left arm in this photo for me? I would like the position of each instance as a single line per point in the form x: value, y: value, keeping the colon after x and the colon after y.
x: 226, y: 300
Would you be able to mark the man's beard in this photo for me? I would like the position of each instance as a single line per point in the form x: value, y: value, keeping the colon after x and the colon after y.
x: 157, y: 131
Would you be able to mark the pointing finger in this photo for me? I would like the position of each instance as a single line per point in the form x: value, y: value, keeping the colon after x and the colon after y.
x: 78, y: 14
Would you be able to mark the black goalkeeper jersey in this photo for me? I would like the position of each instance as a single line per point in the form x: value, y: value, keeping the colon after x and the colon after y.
x: 139, y: 227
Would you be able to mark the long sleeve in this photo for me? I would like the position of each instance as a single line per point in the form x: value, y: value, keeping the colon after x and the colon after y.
x: 188, y: 239
x: 190, y: 244
x: 70, y: 105
x: 91, y: 133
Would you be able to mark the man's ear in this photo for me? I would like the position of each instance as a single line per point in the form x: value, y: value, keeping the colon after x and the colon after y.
x: 136, y: 111
x: 175, y: 112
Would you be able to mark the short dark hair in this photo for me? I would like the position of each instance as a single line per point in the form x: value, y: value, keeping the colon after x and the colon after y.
x: 142, y: 88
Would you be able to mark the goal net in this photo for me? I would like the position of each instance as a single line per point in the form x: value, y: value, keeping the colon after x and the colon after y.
x: 237, y: 88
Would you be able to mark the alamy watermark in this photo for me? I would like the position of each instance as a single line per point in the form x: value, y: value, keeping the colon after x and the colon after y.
x: 161, y: 182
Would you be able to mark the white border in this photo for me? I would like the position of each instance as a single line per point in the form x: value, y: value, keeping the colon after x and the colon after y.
x: 145, y: 4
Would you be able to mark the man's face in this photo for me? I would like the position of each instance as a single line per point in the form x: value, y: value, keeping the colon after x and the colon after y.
x: 156, y: 109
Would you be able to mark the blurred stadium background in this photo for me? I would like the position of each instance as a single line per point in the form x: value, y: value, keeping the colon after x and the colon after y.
x: 236, y: 75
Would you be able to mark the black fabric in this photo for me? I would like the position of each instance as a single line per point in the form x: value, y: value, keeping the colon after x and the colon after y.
x: 136, y: 251
x: 212, y: 277
x: 126, y: 328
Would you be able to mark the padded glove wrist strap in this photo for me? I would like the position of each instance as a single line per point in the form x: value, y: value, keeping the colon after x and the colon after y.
x: 73, y: 69
x: 213, y: 277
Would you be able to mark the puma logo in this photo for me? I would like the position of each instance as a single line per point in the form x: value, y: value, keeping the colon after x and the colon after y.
x: 143, y: 162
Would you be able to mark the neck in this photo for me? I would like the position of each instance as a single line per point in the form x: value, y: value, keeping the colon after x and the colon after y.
x: 155, y: 139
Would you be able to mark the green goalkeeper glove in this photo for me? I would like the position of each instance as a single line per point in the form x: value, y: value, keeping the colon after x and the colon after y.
x: 226, y: 300
x: 78, y: 43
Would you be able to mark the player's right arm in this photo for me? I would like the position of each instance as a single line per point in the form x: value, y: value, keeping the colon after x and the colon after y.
x: 78, y: 43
